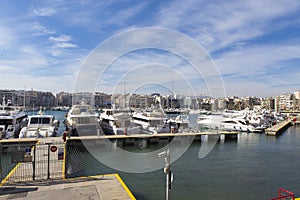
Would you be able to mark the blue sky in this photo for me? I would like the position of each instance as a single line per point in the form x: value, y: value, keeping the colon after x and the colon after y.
x: 254, y: 44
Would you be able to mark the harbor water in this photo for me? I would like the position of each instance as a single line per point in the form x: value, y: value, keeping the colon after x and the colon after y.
x: 254, y: 166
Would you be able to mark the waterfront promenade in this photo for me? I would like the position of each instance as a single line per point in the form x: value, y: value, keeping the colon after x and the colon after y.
x: 101, y: 187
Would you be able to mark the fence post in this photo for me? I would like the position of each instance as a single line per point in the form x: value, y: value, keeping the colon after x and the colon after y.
x: 48, y: 164
x: 66, y: 159
x: 34, y: 162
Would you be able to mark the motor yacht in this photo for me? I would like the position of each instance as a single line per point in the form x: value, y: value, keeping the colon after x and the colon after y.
x: 40, y: 126
x: 82, y: 120
x: 12, y: 120
x: 118, y: 122
x: 221, y: 122
x: 153, y: 120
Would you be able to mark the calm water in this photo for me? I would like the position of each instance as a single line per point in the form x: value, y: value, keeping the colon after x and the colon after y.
x: 253, y: 167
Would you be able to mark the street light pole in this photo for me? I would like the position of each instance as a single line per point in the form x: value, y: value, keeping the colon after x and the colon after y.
x: 167, y: 171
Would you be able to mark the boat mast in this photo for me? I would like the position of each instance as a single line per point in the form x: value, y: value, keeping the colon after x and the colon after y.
x: 24, y: 100
x: 3, y: 103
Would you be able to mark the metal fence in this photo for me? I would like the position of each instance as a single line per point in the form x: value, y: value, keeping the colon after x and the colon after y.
x: 22, y: 162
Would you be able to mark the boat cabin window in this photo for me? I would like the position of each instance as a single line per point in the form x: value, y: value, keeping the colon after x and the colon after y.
x: 243, y: 122
x: 83, y: 110
x: 85, y: 120
x: 230, y: 122
x: 46, y: 120
x: 10, y: 128
x: 109, y: 112
x: 6, y: 122
x: 38, y: 120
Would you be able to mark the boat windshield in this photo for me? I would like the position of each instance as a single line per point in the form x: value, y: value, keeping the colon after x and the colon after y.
x: 82, y: 109
x: 39, y: 120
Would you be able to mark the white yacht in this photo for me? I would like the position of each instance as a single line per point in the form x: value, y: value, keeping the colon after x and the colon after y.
x: 152, y: 120
x: 40, y: 126
x: 82, y: 120
x: 12, y: 119
x: 226, y: 123
x: 118, y: 122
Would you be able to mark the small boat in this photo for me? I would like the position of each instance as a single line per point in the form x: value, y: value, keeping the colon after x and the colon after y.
x: 40, y: 126
x: 82, y: 120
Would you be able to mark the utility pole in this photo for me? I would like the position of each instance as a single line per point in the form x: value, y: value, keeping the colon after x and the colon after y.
x: 167, y: 171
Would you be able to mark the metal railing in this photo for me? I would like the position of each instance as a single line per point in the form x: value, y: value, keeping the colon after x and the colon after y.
x: 284, y: 194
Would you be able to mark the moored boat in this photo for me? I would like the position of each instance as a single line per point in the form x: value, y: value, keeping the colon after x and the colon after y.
x: 82, y: 120
x: 118, y: 122
x: 12, y: 119
x: 153, y: 120
x: 40, y: 126
x: 220, y: 122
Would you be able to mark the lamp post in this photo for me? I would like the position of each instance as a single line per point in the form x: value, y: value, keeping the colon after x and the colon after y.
x: 167, y: 171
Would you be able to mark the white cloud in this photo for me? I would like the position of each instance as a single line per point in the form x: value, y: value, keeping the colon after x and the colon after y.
x: 61, y: 43
x: 220, y: 24
x: 41, y: 30
x: 121, y: 17
x: 5, y: 68
x: 256, y: 57
x: 43, y: 12
x: 61, y: 38
x: 65, y: 45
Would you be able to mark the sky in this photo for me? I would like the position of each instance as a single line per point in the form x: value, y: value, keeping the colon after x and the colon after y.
x: 249, y: 48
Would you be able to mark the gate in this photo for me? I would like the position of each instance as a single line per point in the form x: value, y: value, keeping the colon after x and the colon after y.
x: 22, y: 162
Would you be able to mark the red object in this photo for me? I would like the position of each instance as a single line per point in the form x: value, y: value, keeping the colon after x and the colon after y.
x: 283, y: 193
x: 53, y: 148
x: 64, y: 137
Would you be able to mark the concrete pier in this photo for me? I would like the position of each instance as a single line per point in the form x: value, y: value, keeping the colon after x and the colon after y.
x: 278, y: 128
x: 108, y: 187
x: 157, y: 136
x: 142, y: 140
